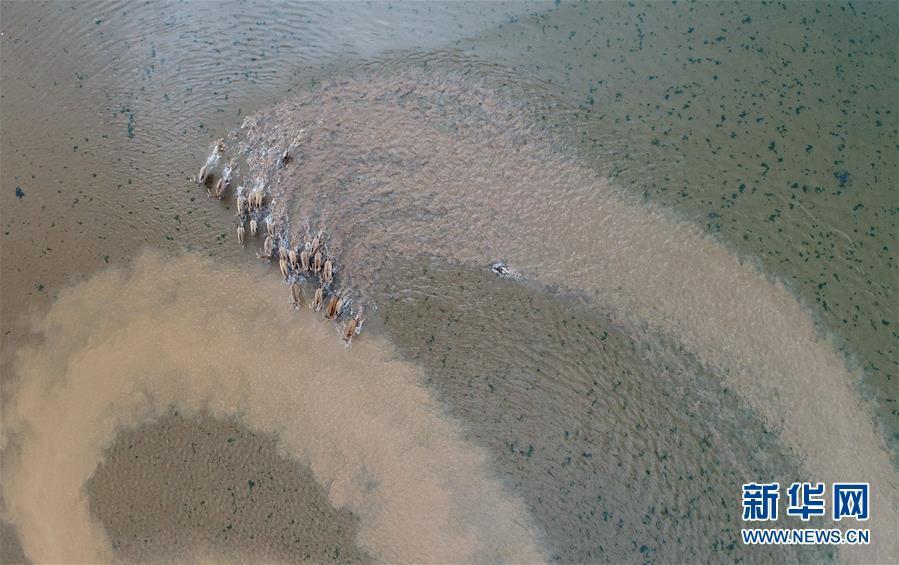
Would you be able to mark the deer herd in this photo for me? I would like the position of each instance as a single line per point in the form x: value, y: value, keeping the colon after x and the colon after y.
x: 308, y: 260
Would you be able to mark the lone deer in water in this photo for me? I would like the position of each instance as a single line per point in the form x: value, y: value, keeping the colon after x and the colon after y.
x: 296, y: 295
x: 317, y: 262
x: 204, y: 175
x: 267, y: 247
x: 318, y: 299
x: 240, y: 235
x: 333, y: 308
x: 255, y: 200
x: 353, y: 327
x: 231, y: 169
x: 220, y: 188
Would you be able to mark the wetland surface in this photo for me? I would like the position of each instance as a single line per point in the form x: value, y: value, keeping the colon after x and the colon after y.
x: 697, y: 202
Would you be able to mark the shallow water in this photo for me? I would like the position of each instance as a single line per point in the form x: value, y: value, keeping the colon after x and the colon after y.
x: 464, y: 176
x: 421, y: 493
x: 618, y: 446
x: 652, y: 172
x: 233, y: 490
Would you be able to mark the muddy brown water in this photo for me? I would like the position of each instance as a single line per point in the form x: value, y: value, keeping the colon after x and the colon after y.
x: 697, y: 199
